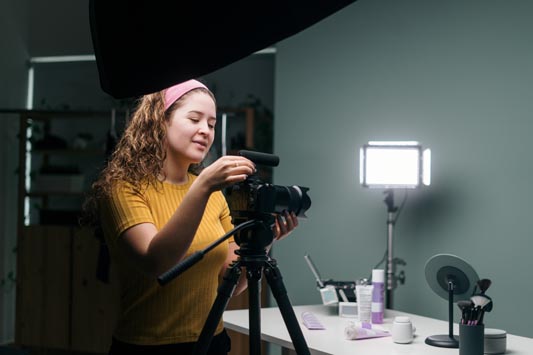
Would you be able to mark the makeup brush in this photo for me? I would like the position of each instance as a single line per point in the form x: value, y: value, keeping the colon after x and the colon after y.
x: 487, y: 308
x: 480, y: 300
x: 483, y: 285
x: 465, y: 306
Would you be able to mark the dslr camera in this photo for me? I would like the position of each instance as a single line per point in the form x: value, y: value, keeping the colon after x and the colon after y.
x: 253, y: 197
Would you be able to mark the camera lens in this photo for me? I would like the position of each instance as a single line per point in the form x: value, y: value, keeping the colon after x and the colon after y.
x: 293, y: 199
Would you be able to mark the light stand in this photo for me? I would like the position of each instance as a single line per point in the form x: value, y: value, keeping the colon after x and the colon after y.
x: 391, y: 165
x: 390, y: 267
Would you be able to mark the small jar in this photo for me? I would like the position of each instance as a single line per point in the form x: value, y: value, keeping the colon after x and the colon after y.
x: 402, y: 330
x: 495, y: 341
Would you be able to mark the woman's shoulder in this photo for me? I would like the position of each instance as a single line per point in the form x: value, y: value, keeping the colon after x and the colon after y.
x: 124, y: 190
x: 121, y: 187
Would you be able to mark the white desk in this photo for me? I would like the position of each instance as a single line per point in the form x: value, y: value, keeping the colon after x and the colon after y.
x: 332, y: 341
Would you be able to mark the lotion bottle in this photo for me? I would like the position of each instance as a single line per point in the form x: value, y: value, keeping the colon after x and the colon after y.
x: 378, y: 295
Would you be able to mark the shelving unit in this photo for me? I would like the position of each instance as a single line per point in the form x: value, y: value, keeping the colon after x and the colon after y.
x: 60, y: 167
x: 61, y: 305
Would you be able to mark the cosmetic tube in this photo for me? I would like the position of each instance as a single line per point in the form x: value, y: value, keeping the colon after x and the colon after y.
x: 378, y: 295
x: 355, y: 333
x: 364, y: 302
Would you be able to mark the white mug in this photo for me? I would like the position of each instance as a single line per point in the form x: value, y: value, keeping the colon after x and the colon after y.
x: 402, y: 330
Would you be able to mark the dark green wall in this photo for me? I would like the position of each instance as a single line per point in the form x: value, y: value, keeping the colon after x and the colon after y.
x: 456, y: 76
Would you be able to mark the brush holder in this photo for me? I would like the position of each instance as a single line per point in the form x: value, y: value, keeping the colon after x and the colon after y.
x: 471, y: 339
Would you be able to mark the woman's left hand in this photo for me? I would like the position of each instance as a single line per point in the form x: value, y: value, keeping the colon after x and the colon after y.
x: 284, y: 226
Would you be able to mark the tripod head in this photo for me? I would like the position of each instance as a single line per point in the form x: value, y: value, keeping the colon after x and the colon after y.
x: 258, y: 236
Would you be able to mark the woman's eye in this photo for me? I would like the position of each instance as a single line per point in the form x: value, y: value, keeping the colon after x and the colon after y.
x: 194, y: 119
x: 212, y: 126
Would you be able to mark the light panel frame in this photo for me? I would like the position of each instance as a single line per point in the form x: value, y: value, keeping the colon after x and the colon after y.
x: 394, y: 165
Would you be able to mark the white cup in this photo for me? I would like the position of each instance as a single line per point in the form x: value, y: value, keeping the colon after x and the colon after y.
x: 402, y: 330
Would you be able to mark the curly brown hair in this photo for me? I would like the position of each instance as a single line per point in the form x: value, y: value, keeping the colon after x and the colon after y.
x: 139, y: 154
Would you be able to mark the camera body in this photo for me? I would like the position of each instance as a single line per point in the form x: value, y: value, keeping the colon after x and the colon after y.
x: 254, y: 197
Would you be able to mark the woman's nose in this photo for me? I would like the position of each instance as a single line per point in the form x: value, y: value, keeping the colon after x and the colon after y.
x: 204, y: 127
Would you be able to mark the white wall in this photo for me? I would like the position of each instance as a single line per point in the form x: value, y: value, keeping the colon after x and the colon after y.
x: 456, y: 76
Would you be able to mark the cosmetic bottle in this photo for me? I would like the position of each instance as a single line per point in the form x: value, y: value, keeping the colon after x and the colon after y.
x: 378, y: 295
x: 363, y: 293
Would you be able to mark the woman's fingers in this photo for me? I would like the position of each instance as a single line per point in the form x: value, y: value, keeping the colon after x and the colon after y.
x: 238, y: 168
x: 284, y: 226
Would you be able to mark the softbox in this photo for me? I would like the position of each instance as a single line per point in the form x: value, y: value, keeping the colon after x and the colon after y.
x: 145, y: 46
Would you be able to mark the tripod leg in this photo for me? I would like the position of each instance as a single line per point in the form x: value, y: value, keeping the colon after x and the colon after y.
x: 224, y: 293
x: 254, y: 311
x: 275, y: 282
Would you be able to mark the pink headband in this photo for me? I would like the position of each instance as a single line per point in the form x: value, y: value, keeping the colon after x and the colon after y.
x: 173, y: 93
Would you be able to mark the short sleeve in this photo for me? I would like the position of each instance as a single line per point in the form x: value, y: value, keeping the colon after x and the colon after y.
x: 225, y: 217
x: 123, y: 209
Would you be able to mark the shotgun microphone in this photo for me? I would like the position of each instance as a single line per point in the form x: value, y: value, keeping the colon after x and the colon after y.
x: 260, y: 158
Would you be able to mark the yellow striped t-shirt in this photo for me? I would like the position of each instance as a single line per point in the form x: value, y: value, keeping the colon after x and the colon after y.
x: 176, y: 312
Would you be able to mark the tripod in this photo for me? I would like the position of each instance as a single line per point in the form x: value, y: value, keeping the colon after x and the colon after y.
x: 255, y: 237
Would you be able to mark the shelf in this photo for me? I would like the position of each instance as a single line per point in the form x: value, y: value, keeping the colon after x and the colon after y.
x: 53, y: 193
x: 67, y: 115
x: 70, y: 152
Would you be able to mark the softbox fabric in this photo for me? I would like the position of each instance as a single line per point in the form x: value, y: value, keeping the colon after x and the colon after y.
x: 145, y: 46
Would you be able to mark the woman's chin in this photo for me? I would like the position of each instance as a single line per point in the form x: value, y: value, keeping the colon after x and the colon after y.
x: 198, y: 160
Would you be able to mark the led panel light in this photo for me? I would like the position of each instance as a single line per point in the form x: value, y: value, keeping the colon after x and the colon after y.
x: 394, y: 164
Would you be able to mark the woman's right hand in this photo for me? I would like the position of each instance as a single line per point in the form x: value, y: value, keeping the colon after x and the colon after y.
x: 226, y: 171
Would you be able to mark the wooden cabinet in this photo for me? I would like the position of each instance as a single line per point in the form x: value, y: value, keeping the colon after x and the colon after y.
x: 60, y: 302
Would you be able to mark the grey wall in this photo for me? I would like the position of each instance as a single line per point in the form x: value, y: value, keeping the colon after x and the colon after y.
x: 456, y: 76
x: 76, y: 86
x: 13, y: 52
x: 13, y: 82
x: 59, y: 27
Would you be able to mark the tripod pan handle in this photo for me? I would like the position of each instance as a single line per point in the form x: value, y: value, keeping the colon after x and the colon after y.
x: 180, y: 268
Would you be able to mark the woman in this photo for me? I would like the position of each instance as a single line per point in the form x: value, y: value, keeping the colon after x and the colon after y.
x: 156, y: 207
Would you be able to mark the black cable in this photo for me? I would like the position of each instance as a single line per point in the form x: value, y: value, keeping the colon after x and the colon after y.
x: 401, y: 206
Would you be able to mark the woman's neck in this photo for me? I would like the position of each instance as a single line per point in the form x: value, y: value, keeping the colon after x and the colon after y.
x: 175, y: 173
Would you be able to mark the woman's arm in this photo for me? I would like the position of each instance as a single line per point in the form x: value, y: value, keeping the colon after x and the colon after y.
x: 156, y: 251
